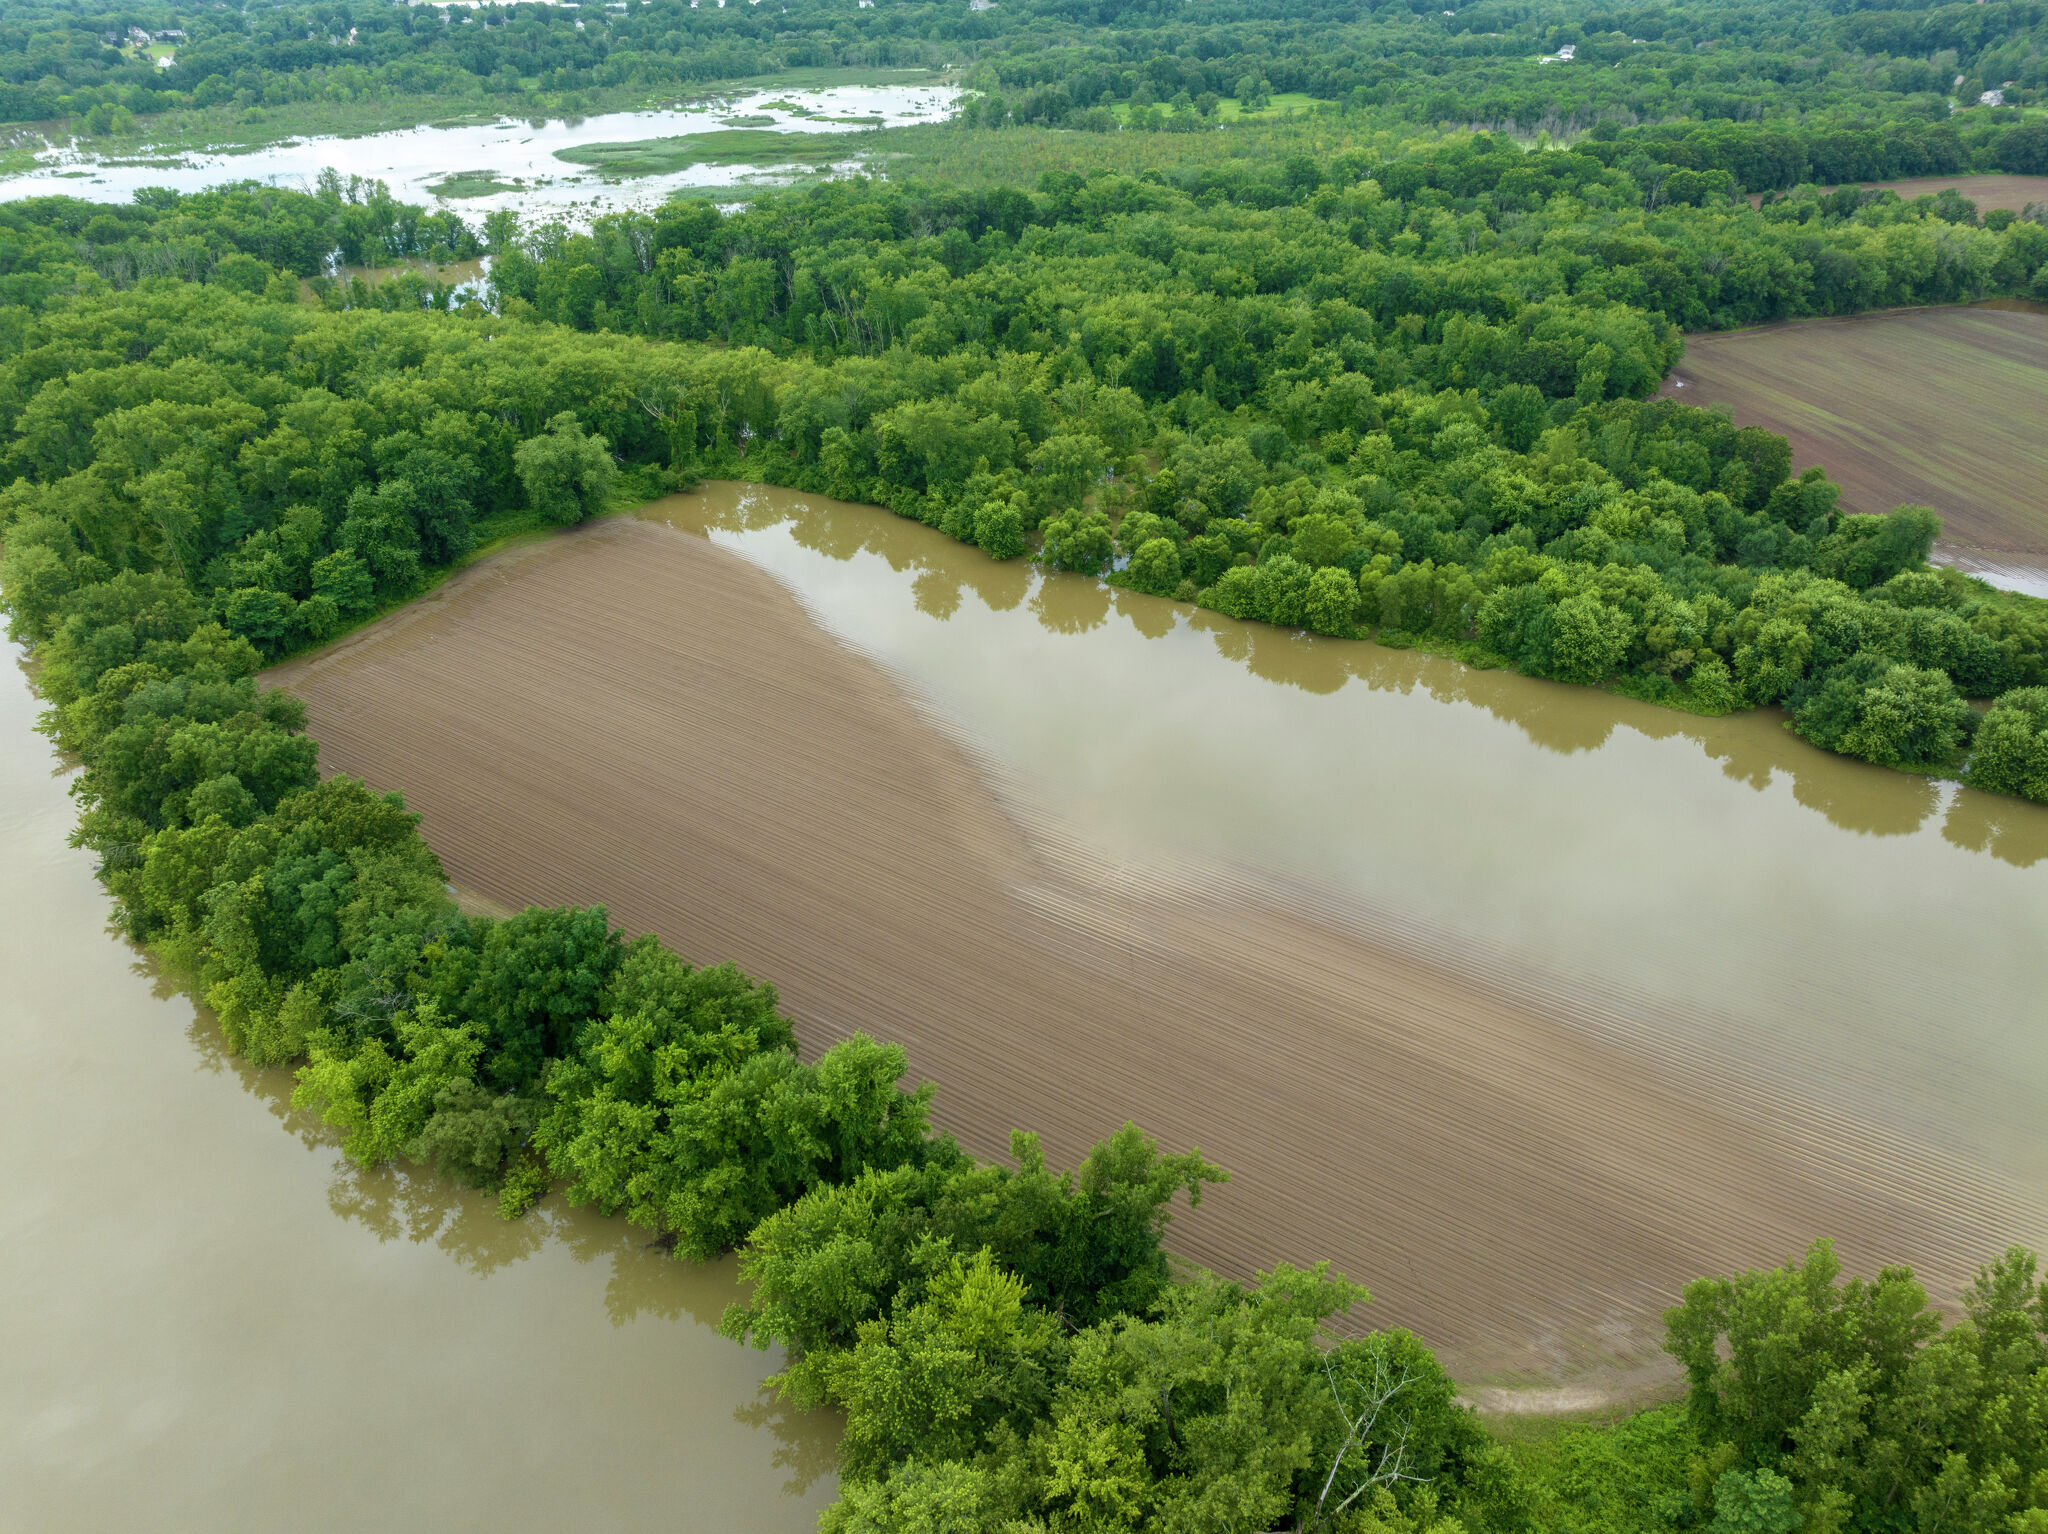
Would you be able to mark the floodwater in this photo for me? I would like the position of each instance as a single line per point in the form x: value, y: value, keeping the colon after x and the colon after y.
x: 1867, y: 940
x: 413, y: 160
x: 209, y: 1321
x: 2006, y: 574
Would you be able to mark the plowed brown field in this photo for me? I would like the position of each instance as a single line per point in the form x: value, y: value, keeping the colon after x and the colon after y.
x: 1935, y: 407
x: 628, y: 715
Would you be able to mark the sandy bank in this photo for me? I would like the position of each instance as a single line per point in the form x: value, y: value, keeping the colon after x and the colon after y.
x: 627, y: 715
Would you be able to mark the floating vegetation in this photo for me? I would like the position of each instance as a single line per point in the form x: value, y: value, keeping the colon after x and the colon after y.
x: 473, y: 183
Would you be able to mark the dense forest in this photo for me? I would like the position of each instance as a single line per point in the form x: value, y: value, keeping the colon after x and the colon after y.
x: 1395, y: 381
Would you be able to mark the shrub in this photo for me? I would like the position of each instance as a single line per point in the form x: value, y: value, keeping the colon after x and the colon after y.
x: 2011, y: 751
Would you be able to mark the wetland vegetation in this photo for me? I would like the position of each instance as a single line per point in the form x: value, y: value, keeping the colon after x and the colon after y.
x: 1373, y: 367
x: 751, y: 145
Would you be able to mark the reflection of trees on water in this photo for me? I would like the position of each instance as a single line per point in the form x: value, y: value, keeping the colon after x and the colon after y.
x: 805, y: 1453
x: 935, y: 595
x: 1070, y: 606
x: 644, y: 1281
x: 399, y: 1202
x: 395, y: 1203
x: 2006, y: 828
x: 1752, y: 748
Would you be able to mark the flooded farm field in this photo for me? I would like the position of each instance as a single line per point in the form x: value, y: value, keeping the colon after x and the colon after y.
x: 1520, y: 1002
x: 211, y: 1321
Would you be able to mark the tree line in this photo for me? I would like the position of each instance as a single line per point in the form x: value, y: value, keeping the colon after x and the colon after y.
x: 1058, y: 63
x: 1244, y: 408
x: 1419, y: 417
x: 258, y: 231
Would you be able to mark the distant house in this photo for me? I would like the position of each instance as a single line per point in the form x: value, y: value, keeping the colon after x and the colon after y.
x: 169, y: 35
x: 1991, y: 99
x: 981, y: 5
x: 1564, y: 55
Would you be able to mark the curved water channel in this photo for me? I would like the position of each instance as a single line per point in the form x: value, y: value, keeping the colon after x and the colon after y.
x: 1867, y: 939
x: 209, y: 1321
x: 521, y: 154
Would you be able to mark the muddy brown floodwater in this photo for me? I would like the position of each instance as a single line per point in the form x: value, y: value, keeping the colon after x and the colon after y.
x: 1520, y: 1002
x: 208, y: 1322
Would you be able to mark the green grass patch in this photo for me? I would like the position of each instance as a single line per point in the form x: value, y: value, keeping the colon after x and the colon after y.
x: 731, y: 146
x: 1535, y: 1435
x: 470, y: 183
x: 1231, y: 110
x: 1605, y: 1473
x: 1281, y: 104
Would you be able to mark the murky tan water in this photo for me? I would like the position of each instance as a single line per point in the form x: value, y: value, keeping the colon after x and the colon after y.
x: 1868, y: 939
x: 207, y: 1321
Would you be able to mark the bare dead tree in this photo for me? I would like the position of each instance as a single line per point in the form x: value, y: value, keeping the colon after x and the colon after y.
x: 374, y: 1007
x: 663, y: 403
x: 1367, y: 1458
